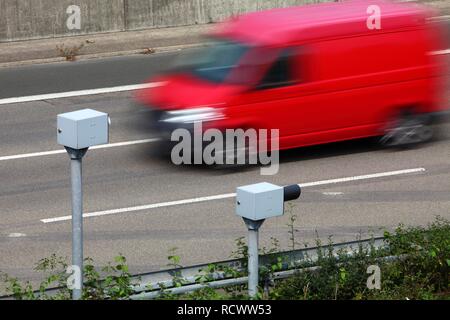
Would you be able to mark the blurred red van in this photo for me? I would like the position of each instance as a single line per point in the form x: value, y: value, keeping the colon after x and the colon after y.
x: 318, y: 73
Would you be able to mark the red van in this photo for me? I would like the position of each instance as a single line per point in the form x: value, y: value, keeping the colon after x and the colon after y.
x: 318, y: 73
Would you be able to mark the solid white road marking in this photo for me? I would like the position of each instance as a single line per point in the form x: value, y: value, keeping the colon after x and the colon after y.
x: 49, y: 153
x: 363, y: 177
x: 79, y: 93
x: 231, y: 195
x: 144, y: 207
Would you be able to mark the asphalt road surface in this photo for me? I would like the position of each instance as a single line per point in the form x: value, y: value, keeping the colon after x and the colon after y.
x: 35, y: 188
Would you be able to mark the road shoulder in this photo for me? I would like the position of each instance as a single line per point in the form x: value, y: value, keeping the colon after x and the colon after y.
x: 151, y: 41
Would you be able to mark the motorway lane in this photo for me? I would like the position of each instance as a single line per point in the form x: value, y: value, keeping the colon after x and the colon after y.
x: 31, y: 127
x: 37, y: 188
x: 81, y: 75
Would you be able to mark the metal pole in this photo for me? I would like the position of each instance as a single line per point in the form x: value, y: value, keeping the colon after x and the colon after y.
x: 253, y: 263
x: 76, y: 157
x: 253, y: 256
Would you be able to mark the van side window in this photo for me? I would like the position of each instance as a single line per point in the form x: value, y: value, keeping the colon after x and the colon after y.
x: 280, y: 74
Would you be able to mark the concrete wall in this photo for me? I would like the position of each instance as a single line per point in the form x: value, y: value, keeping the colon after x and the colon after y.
x: 165, y: 13
x: 31, y: 19
x: 26, y: 19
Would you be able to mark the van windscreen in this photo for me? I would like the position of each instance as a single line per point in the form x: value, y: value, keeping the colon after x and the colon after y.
x: 215, y: 62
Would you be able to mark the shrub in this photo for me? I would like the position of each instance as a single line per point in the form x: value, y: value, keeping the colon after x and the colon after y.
x: 418, y: 268
x: 70, y: 53
x: 112, y: 281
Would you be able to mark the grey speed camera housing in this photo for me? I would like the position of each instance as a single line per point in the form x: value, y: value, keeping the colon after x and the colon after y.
x: 83, y: 129
x: 264, y: 200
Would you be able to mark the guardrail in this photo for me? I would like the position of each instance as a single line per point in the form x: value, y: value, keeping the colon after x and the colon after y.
x: 150, y: 284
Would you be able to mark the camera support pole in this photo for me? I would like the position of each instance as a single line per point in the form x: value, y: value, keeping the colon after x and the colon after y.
x: 253, y: 255
x: 76, y: 157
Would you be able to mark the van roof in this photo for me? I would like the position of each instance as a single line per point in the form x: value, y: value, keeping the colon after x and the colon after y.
x: 316, y: 21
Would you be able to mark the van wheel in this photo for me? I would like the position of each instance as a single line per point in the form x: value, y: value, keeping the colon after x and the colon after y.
x: 407, y: 130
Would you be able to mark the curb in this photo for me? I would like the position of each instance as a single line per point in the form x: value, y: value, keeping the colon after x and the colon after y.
x: 85, y: 57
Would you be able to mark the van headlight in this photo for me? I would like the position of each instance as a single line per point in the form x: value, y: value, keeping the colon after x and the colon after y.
x: 193, y: 115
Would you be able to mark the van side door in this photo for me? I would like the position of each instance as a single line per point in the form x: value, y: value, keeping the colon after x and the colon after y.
x: 279, y: 100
